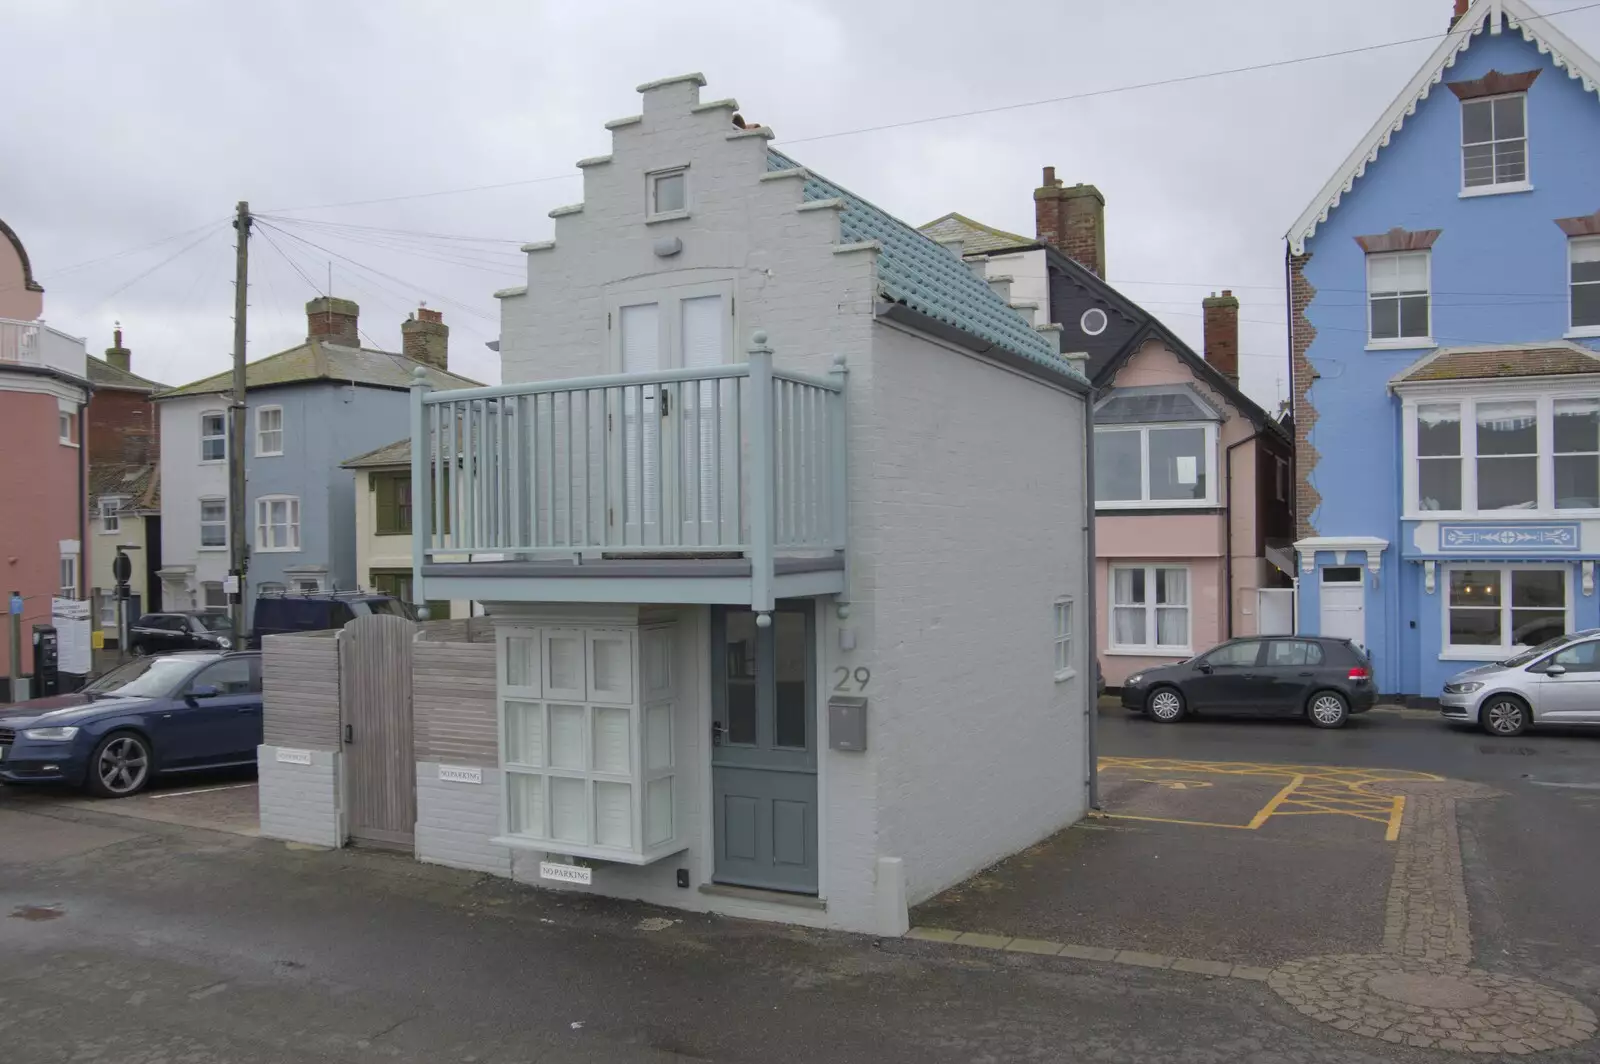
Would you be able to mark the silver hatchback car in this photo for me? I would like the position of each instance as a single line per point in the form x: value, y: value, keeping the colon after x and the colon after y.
x: 1553, y: 683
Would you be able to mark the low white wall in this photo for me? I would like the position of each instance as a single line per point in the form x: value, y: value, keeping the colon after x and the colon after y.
x: 299, y: 803
x: 456, y: 820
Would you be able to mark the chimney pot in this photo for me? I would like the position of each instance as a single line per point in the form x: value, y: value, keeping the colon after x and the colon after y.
x: 425, y: 338
x: 1050, y: 177
x: 333, y: 321
x: 116, y: 354
x: 1222, y: 333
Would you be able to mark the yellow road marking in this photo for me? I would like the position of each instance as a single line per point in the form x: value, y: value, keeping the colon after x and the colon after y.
x: 1174, y: 820
x: 1277, y: 799
x: 1395, y: 816
x: 1312, y: 790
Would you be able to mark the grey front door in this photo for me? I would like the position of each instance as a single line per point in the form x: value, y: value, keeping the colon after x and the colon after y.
x: 375, y: 704
x: 764, y: 748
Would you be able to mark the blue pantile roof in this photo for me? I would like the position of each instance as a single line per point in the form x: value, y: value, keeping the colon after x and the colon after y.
x: 925, y: 276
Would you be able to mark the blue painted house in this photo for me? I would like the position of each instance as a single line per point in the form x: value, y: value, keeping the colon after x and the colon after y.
x: 1444, y: 296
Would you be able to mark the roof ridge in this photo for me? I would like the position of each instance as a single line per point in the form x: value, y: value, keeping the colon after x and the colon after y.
x: 1563, y: 52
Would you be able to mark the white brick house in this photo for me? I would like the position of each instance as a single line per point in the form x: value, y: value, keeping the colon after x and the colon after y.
x: 793, y: 512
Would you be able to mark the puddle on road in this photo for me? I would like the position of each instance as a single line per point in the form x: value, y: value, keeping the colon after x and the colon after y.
x: 38, y: 913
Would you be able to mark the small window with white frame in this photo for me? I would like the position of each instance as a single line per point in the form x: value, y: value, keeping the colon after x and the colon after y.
x: 1583, y: 263
x: 213, y: 436
x: 212, y: 594
x: 1150, y: 609
x: 69, y: 576
x: 1063, y: 639
x: 1398, y: 298
x: 269, y: 431
x: 67, y: 427
x: 667, y: 193
x: 1491, y: 610
x: 213, y: 524
x: 277, y: 523
x: 110, y: 515
x: 1494, y: 143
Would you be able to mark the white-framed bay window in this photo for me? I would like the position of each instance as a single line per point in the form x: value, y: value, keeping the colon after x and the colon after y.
x: 1155, y: 466
x: 1150, y: 609
x: 277, y: 523
x: 587, y: 723
x: 1515, y: 453
x: 1491, y: 609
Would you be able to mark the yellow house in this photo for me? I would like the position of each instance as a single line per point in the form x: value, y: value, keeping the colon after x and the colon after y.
x: 383, y: 525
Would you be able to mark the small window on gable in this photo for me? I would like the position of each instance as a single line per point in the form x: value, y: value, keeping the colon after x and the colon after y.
x: 213, y: 436
x: 1494, y: 141
x: 668, y: 192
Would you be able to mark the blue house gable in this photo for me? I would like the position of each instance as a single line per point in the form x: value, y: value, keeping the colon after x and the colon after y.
x: 1444, y: 292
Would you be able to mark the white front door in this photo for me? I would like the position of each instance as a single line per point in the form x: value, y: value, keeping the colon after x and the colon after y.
x: 1344, y: 605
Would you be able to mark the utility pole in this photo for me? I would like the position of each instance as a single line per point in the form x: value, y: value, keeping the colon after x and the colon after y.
x: 238, y: 545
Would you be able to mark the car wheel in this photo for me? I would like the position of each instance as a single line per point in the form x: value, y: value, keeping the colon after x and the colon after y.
x: 1328, y: 709
x: 1165, y: 705
x: 1504, y: 715
x: 120, y: 766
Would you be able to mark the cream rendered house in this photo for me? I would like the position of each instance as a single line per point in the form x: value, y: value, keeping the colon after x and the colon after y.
x: 382, y: 494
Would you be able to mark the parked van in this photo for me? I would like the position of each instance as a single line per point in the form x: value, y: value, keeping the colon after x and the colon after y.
x: 281, y: 612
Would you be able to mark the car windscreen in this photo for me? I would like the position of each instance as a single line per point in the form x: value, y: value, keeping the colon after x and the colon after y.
x: 145, y: 677
x: 391, y: 608
x: 215, y: 622
x: 1527, y: 656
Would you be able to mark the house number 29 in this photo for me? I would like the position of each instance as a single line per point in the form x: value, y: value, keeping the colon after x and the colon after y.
x: 852, y: 681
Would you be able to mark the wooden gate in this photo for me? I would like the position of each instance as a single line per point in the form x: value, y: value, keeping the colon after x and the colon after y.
x: 375, y: 710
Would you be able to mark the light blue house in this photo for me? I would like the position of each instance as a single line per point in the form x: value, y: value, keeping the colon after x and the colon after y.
x: 1444, y: 294
x: 306, y: 409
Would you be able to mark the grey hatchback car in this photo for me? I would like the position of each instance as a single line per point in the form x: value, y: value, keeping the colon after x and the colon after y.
x: 1557, y: 682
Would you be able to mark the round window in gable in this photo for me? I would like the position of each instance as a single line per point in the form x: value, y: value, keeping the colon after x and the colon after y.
x: 1094, y: 321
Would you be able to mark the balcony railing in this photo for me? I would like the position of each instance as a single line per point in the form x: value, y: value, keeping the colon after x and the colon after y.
x: 735, y: 459
x: 34, y: 343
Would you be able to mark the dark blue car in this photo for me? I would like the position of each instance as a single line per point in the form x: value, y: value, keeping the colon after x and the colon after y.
x: 175, y: 713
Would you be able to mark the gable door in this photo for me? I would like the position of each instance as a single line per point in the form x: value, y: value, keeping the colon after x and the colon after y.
x: 670, y: 434
x: 1344, y: 604
x: 764, y: 749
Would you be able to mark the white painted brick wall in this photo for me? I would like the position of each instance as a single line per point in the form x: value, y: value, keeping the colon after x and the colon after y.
x: 977, y: 527
x: 455, y: 821
x: 300, y: 803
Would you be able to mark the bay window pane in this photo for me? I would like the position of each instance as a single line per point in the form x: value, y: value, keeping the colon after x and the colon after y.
x: 1508, y: 467
x: 1178, y: 463
x: 1469, y: 627
x: 1116, y: 466
x: 1438, y: 430
x: 1529, y: 628
x: 1538, y: 587
x: 1439, y: 484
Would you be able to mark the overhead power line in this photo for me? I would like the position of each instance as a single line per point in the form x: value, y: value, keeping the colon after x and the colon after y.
x: 1182, y: 79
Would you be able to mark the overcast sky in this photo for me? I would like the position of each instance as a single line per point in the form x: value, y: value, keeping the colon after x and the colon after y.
x: 143, y: 121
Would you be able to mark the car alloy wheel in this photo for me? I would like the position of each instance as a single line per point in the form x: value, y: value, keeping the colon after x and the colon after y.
x: 1328, y: 710
x: 121, y: 766
x: 1166, y: 705
x: 1505, y: 716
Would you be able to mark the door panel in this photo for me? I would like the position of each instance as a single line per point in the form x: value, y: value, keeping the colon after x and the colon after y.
x: 1344, y: 612
x: 764, y: 753
x: 375, y: 708
x: 1574, y: 696
x: 1291, y: 666
x: 1235, y: 683
x: 219, y: 729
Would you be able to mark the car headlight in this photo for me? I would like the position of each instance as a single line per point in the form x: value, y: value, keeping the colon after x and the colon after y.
x: 1133, y: 681
x: 224, y: 642
x: 50, y: 735
x: 1462, y: 688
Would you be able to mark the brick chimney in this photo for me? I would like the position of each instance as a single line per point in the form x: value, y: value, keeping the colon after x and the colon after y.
x: 1461, y: 9
x: 1222, y: 333
x: 333, y: 321
x: 426, y: 338
x: 1073, y: 220
x: 116, y: 354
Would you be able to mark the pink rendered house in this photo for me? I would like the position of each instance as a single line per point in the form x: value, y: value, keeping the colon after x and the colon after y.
x: 1193, y: 479
x: 43, y: 394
